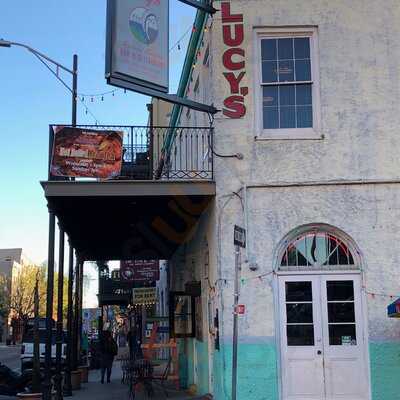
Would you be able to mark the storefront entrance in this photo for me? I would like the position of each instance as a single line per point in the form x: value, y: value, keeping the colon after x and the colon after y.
x: 322, y: 337
x: 322, y: 322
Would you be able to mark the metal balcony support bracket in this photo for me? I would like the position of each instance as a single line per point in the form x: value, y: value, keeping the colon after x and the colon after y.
x: 205, y: 6
x: 170, y: 98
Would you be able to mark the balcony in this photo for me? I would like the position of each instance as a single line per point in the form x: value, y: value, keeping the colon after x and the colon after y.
x: 149, y: 206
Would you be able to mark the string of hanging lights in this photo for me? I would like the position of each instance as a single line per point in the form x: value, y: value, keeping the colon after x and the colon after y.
x: 101, y: 95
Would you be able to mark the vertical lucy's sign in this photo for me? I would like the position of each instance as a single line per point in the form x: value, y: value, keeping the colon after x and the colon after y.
x: 234, y: 62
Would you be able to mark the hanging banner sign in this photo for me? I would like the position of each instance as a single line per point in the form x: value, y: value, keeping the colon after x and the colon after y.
x: 140, y: 270
x: 137, y: 43
x: 86, y: 153
x: 144, y: 295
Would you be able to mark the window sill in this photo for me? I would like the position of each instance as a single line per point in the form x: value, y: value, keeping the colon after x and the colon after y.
x: 289, y: 134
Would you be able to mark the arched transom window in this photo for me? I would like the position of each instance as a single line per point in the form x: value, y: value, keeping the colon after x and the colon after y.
x: 317, y: 250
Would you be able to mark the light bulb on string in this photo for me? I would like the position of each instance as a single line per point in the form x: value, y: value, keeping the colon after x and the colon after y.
x: 124, y: 90
x: 91, y: 99
x: 179, y: 46
x: 102, y: 98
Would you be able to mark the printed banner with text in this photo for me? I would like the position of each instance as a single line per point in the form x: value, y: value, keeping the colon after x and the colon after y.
x: 86, y: 153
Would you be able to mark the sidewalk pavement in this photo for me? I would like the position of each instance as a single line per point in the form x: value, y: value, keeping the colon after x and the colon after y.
x: 94, y: 390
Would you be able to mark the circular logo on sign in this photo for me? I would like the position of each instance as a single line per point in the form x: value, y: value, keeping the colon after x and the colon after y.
x: 143, y: 25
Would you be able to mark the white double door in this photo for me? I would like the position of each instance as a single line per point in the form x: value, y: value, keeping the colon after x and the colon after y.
x: 322, y: 338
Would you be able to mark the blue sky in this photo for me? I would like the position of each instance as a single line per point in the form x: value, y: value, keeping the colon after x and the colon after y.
x: 31, y: 98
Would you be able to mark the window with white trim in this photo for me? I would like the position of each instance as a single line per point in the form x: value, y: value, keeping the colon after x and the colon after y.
x: 288, y: 83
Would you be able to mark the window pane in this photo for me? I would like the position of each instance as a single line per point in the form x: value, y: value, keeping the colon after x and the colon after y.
x: 298, y: 291
x: 183, y: 324
x: 302, y: 47
x: 268, y: 49
x: 286, y: 71
x: 300, y: 335
x: 269, y: 71
x: 303, y: 94
x: 303, y: 70
x: 271, y: 117
x: 286, y: 95
x: 182, y: 304
x: 285, y: 49
x: 304, y: 117
x: 340, y: 290
x: 342, y: 335
x: 299, y: 313
x: 341, y: 312
x: 288, y: 117
x: 270, y: 96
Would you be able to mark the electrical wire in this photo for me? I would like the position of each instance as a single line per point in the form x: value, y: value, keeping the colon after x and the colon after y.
x: 237, y: 155
x: 64, y: 84
x: 102, y: 94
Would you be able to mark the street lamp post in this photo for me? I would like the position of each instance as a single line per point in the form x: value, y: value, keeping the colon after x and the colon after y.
x: 50, y: 267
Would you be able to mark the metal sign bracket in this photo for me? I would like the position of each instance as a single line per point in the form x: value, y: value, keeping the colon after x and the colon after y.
x: 205, y: 6
x: 170, y: 98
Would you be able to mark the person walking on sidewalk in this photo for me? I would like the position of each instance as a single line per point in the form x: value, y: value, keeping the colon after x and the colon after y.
x: 108, y: 350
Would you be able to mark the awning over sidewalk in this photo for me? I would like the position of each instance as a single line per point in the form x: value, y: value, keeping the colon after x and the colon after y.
x: 116, y: 220
x: 394, y: 309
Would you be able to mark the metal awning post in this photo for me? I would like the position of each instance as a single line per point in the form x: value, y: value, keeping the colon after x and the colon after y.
x: 49, y: 306
x: 60, y: 300
x: 76, y: 319
x: 70, y: 322
x: 80, y: 319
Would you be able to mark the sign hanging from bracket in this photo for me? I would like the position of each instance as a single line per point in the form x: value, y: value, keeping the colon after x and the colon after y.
x: 137, y: 43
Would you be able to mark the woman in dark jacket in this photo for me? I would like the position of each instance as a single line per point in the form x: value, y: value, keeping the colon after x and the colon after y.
x: 108, y: 350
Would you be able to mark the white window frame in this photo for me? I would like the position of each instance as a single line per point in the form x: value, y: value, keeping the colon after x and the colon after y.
x: 291, y: 133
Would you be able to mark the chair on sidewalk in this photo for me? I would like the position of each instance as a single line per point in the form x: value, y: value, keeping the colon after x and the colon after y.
x: 140, y: 372
x: 162, y: 378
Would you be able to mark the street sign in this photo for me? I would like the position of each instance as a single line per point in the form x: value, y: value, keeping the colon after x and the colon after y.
x: 239, y: 236
x: 240, y: 309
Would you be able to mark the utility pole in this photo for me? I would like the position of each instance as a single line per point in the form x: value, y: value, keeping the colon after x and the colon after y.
x: 52, y: 218
x: 239, y: 240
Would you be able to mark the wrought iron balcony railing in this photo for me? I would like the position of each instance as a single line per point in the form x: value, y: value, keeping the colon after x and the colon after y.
x: 147, y: 155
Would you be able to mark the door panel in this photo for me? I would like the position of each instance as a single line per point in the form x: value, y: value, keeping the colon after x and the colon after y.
x: 301, y: 340
x: 343, y: 336
x: 322, y: 338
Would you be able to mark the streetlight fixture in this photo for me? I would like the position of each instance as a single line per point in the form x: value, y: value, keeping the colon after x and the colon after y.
x: 50, y: 267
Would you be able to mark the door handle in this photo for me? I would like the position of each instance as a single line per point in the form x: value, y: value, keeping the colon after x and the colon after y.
x: 319, y: 352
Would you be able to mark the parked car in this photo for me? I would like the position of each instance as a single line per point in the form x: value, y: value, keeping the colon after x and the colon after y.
x: 27, y: 348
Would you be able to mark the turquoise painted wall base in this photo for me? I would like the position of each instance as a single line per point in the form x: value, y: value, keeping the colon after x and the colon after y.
x: 385, y: 370
x: 257, y: 372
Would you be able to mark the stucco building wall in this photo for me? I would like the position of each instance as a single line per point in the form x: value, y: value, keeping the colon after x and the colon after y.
x: 347, y: 178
